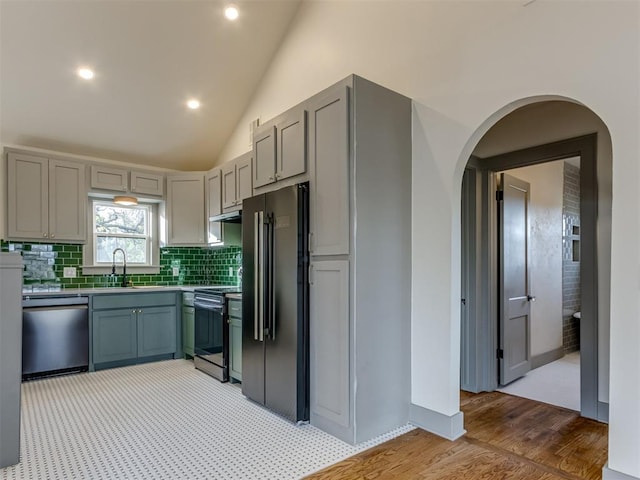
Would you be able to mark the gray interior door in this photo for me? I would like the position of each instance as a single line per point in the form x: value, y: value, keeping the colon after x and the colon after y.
x: 515, y: 297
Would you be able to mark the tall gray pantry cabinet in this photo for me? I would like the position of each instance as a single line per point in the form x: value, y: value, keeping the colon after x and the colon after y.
x: 359, y: 154
x: 10, y: 356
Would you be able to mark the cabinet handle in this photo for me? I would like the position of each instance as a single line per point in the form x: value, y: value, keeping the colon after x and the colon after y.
x: 134, y: 311
x: 271, y: 178
x: 52, y: 236
x: 44, y: 235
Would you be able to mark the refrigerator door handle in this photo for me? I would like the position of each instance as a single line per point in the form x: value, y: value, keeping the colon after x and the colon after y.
x: 258, y: 269
x: 272, y: 282
x: 262, y: 286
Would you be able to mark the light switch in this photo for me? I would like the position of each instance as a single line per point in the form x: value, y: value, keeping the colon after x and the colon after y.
x: 176, y: 271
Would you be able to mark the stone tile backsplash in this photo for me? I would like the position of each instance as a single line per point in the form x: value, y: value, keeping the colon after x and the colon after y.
x: 45, y: 262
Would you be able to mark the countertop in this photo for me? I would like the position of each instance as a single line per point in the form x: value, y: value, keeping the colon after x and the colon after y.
x: 73, y: 292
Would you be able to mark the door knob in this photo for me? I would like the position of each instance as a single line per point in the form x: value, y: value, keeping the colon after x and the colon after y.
x: 531, y: 298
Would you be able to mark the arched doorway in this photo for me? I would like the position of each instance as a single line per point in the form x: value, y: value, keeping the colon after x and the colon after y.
x: 534, y: 133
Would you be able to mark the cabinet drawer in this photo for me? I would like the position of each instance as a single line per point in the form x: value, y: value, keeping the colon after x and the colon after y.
x: 133, y: 300
x: 235, y: 308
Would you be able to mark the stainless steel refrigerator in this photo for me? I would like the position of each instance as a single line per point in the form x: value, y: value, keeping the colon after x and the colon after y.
x: 275, y: 301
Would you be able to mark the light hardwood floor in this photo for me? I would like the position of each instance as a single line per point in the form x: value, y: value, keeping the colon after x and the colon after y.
x: 507, y: 438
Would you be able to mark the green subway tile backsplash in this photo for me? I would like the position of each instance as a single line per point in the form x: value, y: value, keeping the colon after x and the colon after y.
x: 44, y: 263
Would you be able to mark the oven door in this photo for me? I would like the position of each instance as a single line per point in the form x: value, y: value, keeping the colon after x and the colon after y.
x: 211, y: 339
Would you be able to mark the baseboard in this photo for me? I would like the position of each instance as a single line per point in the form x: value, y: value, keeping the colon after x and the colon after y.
x: 608, y: 474
x: 603, y: 412
x: 449, y: 427
x: 546, y: 357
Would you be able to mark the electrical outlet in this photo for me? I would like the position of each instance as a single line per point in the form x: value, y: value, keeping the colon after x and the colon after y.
x: 69, y: 272
x: 231, y: 271
x: 176, y: 271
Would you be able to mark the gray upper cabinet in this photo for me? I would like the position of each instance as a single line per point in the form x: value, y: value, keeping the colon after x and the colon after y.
x: 185, y: 209
x: 291, y: 158
x: 214, y: 192
x: 279, y: 148
x: 218, y: 233
x: 329, y: 158
x: 121, y: 180
x: 47, y: 199
x: 264, y: 154
x: 244, y: 177
x: 237, y: 182
x: 229, y: 188
x: 146, y: 183
x: 108, y: 178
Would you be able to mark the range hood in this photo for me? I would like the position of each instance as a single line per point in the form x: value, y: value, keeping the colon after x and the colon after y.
x: 230, y: 217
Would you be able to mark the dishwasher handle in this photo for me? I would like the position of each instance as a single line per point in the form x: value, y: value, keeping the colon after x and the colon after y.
x: 49, y: 302
x: 56, y: 307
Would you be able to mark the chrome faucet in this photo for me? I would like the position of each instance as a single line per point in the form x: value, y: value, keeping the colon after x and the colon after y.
x: 124, y: 266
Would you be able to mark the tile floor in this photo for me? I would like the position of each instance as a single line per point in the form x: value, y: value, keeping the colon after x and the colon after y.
x: 163, y: 420
x: 556, y: 383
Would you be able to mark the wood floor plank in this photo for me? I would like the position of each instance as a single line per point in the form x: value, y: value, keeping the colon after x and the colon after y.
x: 507, y: 438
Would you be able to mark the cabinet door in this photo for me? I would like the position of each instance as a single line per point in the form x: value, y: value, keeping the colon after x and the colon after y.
x: 229, y: 194
x: 67, y: 201
x: 156, y: 331
x: 292, y: 147
x: 329, y: 353
x: 213, y: 194
x: 114, y: 335
x: 144, y: 183
x: 188, y: 330
x: 329, y: 160
x: 28, y: 197
x: 235, y: 348
x: 108, y: 178
x: 244, y: 177
x: 185, y: 209
x: 264, y: 156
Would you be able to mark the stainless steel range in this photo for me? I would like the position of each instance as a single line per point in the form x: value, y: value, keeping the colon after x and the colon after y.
x: 212, y: 331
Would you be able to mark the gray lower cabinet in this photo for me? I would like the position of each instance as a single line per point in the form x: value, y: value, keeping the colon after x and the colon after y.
x: 114, y: 335
x: 156, y: 331
x: 145, y: 327
x: 188, y: 330
x: 235, y: 339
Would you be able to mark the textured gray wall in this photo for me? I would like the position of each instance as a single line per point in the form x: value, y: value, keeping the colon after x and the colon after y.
x: 570, y: 264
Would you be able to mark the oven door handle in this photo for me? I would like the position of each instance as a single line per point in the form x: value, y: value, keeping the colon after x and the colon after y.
x: 208, y: 306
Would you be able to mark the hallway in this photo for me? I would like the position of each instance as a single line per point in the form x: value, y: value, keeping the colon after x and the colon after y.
x: 507, y: 437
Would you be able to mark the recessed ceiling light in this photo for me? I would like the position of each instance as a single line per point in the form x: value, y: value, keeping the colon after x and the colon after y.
x: 231, y: 12
x: 85, y: 73
x: 193, y: 104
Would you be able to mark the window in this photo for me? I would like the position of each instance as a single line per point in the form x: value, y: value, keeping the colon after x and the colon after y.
x: 117, y: 226
x: 132, y: 228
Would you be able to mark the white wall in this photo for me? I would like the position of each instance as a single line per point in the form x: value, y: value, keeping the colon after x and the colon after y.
x: 466, y: 65
x: 545, y: 253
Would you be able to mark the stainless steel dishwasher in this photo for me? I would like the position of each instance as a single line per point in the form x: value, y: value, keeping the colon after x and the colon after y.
x: 55, y: 336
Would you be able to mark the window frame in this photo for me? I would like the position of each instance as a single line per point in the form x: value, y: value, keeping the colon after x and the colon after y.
x: 91, y: 267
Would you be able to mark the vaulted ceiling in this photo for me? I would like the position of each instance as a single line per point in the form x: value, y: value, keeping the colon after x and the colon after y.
x: 149, y: 58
